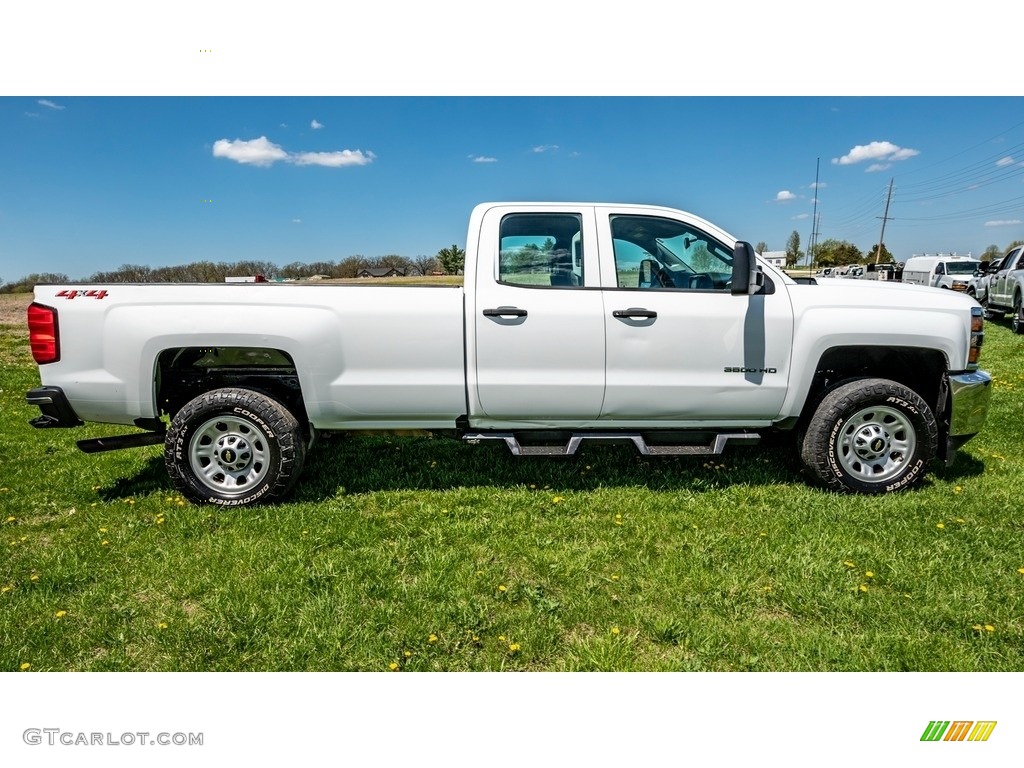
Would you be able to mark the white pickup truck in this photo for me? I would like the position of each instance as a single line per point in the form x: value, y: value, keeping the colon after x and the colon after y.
x: 631, y: 323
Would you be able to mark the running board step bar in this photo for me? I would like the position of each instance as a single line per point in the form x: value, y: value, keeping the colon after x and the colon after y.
x: 715, y: 447
x: 119, y: 442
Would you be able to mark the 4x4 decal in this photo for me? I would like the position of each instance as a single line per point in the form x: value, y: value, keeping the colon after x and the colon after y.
x: 92, y: 294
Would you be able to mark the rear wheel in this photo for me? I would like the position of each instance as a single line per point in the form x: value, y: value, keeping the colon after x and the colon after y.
x: 1018, y: 315
x: 234, y: 447
x: 869, y: 436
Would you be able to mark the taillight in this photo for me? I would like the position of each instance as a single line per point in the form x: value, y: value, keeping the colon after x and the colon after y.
x: 43, y: 335
x: 977, y: 336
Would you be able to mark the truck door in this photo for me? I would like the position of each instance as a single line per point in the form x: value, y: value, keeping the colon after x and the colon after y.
x: 681, y: 347
x: 1001, y: 285
x: 537, y: 347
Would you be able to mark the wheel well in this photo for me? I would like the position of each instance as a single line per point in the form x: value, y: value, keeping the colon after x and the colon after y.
x: 918, y: 369
x: 186, y: 372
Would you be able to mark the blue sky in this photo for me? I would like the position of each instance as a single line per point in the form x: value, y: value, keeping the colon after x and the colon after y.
x: 91, y: 183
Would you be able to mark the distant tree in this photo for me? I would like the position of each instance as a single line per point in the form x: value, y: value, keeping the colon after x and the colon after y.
x: 1014, y: 244
x: 833, y: 253
x: 992, y: 252
x: 452, y: 259
x: 425, y: 265
x: 761, y: 247
x: 884, y: 258
x: 793, y: 252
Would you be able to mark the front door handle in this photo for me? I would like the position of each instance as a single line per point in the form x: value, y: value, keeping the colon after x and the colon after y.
x: 635, y: 313
x: 505, y: 312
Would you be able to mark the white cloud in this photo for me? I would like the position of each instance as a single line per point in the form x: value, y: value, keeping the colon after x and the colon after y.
x: 801, y: 216
x: 50, y: 104
x: 876, y: 150
x: 333, y: 159
x: 482, y: 159
x: 259, y: 151
x: 263, y: 152
x: 819, y: 185
x: 875, y: 167
x: 545, y: 148
x: 1004, y: 161
x: 784, y: 195
x: 296, y: 221
x: 1003, y: 223
x: 316, y: 125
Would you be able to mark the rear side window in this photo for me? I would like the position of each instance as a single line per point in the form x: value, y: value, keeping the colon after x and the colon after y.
x: 541, y: 250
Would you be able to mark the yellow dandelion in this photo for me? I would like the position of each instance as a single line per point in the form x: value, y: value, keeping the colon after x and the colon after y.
x: 476, y: 638
x: 131, y: 501
x: 958, y: 489
x: 432, y: 639
x: 869, y: 574
x: 181, y: 503
x: 615, y: 577
x: 766, y: 589
x: 160, y: 520
x: 23, y: 539
x: 514, y: 647
x: 940, y: 526
x: 61, y: 614
x: 34, y: 577
x: 961, y: 520
x: 989, y: 628
x: 393, y: 666
x: 5, y: 588
x: 104, y: 543
x: 615, y: 630
x: 103, y: 530
x: 25, y: 666
x: 1020, y: 570
x: 848, y: 564
x: 162, y: 625
x: 501, y: 638
x: 408, y: 654
x: 863, y: 587
x: 11, y: 519
x: 502, y: 588
x: 557, y: 499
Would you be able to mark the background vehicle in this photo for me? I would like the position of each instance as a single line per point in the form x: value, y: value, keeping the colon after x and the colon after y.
x: 1006, y: 288
x: 977, y: 286
x: 951, y: 272
x: 576, y: 321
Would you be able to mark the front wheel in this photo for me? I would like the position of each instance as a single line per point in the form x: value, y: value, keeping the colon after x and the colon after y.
x: 234, y: 447
x: 1018, y: 316
x: 869, y: 436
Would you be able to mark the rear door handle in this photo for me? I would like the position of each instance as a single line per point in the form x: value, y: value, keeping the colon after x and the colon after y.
x: 635, y: 313
x: 505, y: 312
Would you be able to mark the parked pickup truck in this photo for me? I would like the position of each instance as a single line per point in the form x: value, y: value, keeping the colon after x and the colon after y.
x: 629, y: 323
x: 1004, y: 288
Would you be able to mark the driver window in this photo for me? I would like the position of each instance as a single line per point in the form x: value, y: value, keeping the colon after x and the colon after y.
x: 657, y: 253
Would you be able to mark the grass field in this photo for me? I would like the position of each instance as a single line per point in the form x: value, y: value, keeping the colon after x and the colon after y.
x: 425, y: 554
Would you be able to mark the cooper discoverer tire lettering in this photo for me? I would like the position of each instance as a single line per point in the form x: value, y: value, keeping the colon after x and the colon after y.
x: 869, y: 436
x: 234, y: 447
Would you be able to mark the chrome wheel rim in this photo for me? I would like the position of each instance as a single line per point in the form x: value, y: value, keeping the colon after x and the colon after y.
x: 875, y: 443
x: 229, y: 455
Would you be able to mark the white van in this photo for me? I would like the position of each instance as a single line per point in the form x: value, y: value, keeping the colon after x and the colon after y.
x: 952, y: 272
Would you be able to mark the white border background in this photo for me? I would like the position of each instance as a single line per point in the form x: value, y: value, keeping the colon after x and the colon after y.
x: 456, y: 47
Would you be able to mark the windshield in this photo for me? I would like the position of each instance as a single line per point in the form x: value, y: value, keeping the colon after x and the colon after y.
x: 961, y: 267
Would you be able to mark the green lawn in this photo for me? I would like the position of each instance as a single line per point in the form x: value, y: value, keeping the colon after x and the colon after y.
x: 423, y: 553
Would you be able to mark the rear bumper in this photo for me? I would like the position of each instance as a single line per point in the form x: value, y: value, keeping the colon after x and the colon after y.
x: 969, y: 395
x: 55, y: 410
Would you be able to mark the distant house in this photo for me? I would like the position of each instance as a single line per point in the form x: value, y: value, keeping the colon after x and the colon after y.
x: 775, y: 258
x: 246, y: 279
x: 381, y: 272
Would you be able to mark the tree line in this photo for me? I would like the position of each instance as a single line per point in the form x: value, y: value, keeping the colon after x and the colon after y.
x: 836, y: 253
x: 450, y: 260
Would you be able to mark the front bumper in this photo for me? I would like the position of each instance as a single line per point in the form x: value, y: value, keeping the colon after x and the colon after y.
x: 969, y: 395
x: 55, y: 409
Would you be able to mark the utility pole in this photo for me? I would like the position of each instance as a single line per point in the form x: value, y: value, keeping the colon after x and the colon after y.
x: 885, y: 218
x: 814, y: 220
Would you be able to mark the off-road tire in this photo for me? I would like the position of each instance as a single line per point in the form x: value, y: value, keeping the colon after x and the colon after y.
x: 234, y: 447
x: 869, y: 436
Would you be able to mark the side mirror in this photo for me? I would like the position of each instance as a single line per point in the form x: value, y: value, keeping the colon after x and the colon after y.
x: 746, y: 277
x: 646, y: 278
